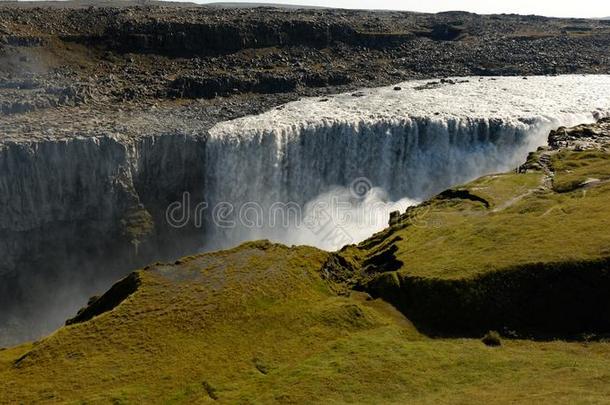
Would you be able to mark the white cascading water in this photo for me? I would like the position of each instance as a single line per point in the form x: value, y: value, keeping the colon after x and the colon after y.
x: 378, y: 150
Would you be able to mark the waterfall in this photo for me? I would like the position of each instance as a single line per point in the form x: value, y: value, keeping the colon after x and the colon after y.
x: 397, y: 143
x: 396, y: 163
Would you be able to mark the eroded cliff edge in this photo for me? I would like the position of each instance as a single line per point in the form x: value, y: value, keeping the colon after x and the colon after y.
x: 106, y: 113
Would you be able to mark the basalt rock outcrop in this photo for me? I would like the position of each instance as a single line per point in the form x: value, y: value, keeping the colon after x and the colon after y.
x: 582, y: 137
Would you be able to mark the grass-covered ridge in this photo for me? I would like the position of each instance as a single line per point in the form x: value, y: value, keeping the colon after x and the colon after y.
x: 554, y: 209
x: 265, y: 323
x: 525, y: 223
x: 258, y: 324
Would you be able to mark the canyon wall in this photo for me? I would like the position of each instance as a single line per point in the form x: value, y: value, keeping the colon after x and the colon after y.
x: 86, y: 197
x: 78, y: 213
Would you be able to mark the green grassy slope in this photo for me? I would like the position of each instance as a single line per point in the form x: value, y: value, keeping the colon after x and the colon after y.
x: 258, y: 324
x: 525, y: 222
x: 264, y: 323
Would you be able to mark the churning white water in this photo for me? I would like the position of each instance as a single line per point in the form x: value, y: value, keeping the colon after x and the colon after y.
x: 326, y: 171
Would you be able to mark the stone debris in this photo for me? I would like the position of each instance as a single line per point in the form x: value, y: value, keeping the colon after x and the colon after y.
x: 71, y: 70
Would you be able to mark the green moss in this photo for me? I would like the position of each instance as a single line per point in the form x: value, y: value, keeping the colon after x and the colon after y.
x: 573, y: 169
x: 525, y: 223
x: 137, y: 225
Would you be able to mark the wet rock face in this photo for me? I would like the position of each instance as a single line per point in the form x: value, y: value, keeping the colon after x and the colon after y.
x: 77, y: 214
x: 92, y: 188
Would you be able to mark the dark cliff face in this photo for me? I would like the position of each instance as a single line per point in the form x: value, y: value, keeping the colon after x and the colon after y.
x: 76, y: 214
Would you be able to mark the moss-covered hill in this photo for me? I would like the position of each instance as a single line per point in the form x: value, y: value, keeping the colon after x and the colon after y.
x: 525, y: 253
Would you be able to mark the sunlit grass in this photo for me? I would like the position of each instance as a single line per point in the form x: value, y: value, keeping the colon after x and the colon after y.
x: 258, y: 324
x: 524, y: 223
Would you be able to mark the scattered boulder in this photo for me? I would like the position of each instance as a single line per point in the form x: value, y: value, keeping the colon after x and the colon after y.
x: 110, y: 300
x: 394, y: 218
x: 492, y: 339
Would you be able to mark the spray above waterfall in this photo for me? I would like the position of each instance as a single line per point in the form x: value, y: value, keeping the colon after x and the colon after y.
x: 408, y: 141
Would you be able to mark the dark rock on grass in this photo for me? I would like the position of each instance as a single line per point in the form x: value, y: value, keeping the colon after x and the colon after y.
x: 110, y: 300
x: 394, y: 218
x: 458, y: 194
x: 492, y: 339
x: 210, y: 390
